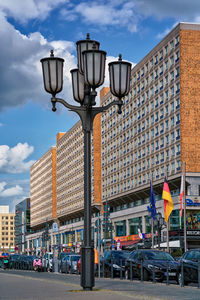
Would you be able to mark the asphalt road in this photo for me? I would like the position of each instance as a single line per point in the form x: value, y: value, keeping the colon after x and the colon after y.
x: 28, y: 285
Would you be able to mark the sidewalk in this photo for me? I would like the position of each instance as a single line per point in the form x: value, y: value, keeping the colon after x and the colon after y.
x: 32, y: 285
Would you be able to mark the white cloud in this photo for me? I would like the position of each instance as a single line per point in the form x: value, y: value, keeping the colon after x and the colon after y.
x: 103, y: 13
x: 12, y: 160
x: 129, y: 13
x: 10, y: 192
x: 25, y: 10
x: 13, y: 191
x: 21, y: 72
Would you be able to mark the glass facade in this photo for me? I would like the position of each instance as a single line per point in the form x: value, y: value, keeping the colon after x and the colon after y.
x: 120, y: 228
x: 135, y: 224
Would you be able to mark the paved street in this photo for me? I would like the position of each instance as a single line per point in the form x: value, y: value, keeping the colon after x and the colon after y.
x: 22, y: 285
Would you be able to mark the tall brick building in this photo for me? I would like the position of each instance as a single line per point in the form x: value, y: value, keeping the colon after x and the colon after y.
x: 157, y: 131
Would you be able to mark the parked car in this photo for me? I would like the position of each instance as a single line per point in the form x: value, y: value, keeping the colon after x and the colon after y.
x: 47, y: 262
x: 37, y: 264
x: 115, y: 259
x: 70, y: 263
x: 152, y: 260
x: 4, y: 261
x: 28, y: 262
x: 61, y: 256
x: 190, y: 261
x: 13, y: 260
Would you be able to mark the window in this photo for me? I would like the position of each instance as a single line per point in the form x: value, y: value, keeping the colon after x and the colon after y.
x: 134, y: 224
x: 172, y: 45
x: 166, y: 50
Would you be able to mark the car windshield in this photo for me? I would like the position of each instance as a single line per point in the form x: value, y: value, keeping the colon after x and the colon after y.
x: 120, y: 254
x: 157, y: 256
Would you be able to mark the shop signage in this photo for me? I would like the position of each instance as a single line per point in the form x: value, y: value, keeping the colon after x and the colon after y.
x: 190, y: 202
x: 193, y: 232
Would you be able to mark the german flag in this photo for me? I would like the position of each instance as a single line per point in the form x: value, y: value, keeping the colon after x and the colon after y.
x: 168, y: 202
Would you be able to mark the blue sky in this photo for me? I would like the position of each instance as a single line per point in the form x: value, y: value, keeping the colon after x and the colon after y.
x: 28, y: 30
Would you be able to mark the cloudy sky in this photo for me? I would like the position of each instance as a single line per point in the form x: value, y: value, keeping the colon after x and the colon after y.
x: 28, y: 30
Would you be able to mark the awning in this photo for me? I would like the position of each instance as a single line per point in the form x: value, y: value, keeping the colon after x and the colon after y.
x: 127, y: 243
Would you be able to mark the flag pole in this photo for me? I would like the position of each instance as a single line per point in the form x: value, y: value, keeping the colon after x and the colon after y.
x: 167, y: 222
x: 184, y: 209
x: 152, y: 220
x: 168, y: 235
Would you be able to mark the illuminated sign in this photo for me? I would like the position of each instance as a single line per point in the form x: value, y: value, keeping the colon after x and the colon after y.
x: 190, y: 202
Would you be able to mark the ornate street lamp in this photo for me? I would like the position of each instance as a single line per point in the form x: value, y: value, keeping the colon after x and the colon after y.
x: 85, y: 79
x: 159, y: 223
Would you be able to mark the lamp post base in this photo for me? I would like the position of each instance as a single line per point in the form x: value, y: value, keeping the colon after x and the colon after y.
x: 87, y: 268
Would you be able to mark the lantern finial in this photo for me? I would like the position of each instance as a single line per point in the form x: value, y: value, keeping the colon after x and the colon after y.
x: 88, y: 36
x: 51, y: 53
x: 120, y: 57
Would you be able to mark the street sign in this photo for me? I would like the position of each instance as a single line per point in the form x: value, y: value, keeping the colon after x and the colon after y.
x: 55, y: 227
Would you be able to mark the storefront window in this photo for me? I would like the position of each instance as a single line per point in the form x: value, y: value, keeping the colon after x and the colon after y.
x: 174, y: 220
x: 147, y: 225
x: 134, y: 224
x: 120, y: 228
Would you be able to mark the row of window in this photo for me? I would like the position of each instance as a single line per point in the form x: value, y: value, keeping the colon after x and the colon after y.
x: 116, y: 185
x: 158, y: 58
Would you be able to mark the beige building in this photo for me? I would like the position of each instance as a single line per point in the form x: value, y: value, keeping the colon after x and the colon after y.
x: 157, y: 131
x: 43, y: 190
x: 7, y: 230
x: 57, y: 187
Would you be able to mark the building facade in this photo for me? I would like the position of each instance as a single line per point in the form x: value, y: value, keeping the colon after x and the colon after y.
x: 22, y: 225
x: 155, y: 134
x: 7, y: 230
x: 157, y: 131
x: 57, y: 189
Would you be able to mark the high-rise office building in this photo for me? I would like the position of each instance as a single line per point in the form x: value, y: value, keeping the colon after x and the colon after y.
x: 157, y: 131
x: 57, y: 188
x: 22, y: 224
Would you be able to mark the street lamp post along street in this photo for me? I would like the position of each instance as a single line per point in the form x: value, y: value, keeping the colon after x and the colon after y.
x: 85, y: 79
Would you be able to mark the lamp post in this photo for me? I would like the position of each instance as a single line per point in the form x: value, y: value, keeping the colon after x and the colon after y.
x: 85, y: 79
x: 159, y: 222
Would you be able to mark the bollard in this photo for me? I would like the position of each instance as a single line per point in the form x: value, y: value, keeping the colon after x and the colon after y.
x: 198, y: 274
x: 167, y: 283
x: 112, y: 268
x: 154, y: 277
x: 141, y: 271
x: 121, y: 276
x: 182, y: 274
x: 131, y: 270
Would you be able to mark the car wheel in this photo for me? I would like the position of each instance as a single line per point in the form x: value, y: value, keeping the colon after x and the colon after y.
x: 145, y: 275
x: 126, y: 274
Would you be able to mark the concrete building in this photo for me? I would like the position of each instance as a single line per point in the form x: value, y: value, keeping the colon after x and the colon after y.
x: 57, y: 189
x: 22, y: 224
x: 7, y: 230
x: 157, y: 131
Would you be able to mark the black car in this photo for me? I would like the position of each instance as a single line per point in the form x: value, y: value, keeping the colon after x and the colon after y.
x: 190, y: 261
x: 13, y: 261
x: 113, y: 260
x: 151, y: 261
x: 61, y: 256
x: 70, y: 263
